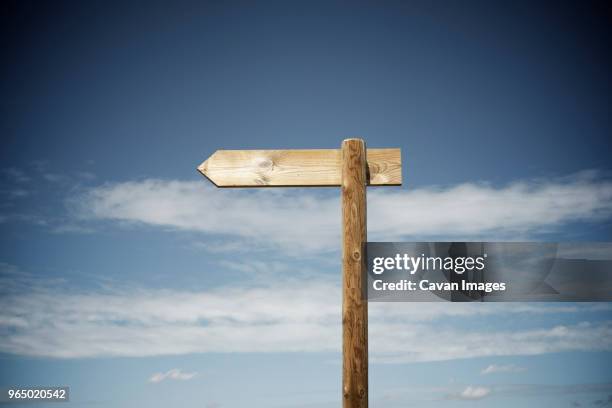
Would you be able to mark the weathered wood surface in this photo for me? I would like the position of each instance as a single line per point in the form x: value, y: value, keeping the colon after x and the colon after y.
x: 296, y: 168
x: 354, y: 304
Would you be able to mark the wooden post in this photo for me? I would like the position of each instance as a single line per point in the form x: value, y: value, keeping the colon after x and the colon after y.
x: 354, y: 304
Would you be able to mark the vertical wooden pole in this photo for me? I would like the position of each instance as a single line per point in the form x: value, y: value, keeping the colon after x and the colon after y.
x: 354, y: 304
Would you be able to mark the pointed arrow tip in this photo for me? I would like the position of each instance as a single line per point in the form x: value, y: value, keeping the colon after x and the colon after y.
x: 203, y: 169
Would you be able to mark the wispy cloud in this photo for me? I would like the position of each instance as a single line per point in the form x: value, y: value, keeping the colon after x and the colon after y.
x: 71, y: 228
x: 287, y: 316
x: 472, y: 393
x: 173, y: 374
x: 55, y: 177
x: 413, y: 394
x: 40, y: 204
x: 32, y: 219
x: 503, y: 368
x: 18, y: 193
x: 603, y: 402
x: 16, y: 175
x: 309, y: 221
x: 85, y: 175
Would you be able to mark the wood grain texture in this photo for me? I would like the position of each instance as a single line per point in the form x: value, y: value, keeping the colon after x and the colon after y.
x: 296, y: 168
x: 384, y: 167
x: 354, y: 304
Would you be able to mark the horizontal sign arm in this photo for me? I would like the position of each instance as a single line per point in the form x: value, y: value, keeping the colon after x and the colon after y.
x: 296, y: 168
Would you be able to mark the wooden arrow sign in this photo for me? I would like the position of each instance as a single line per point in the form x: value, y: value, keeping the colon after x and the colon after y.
x: 352, y: 168
x: 296, y: 168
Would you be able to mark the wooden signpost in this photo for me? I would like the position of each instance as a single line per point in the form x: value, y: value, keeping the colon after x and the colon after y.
x: 352, y: 168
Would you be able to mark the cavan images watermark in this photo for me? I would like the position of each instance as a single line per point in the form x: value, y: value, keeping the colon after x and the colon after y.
x: 488, y: 271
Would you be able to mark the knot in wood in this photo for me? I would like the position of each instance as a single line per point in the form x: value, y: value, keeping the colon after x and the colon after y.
x: 265, y: 163
x: 357, y: 255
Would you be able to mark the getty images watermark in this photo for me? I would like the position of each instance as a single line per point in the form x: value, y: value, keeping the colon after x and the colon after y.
x: 488, y: 271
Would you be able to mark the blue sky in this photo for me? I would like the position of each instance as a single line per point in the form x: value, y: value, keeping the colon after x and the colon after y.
x: 127, y: 276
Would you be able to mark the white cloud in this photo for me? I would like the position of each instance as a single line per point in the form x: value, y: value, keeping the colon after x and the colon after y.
x: 474, y: 393
x: 173, y: 374
x: 302, y: 222
x: 479, y: 209
x: 289, y: 316
x: 507, y: 368
x: 309, y: 221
